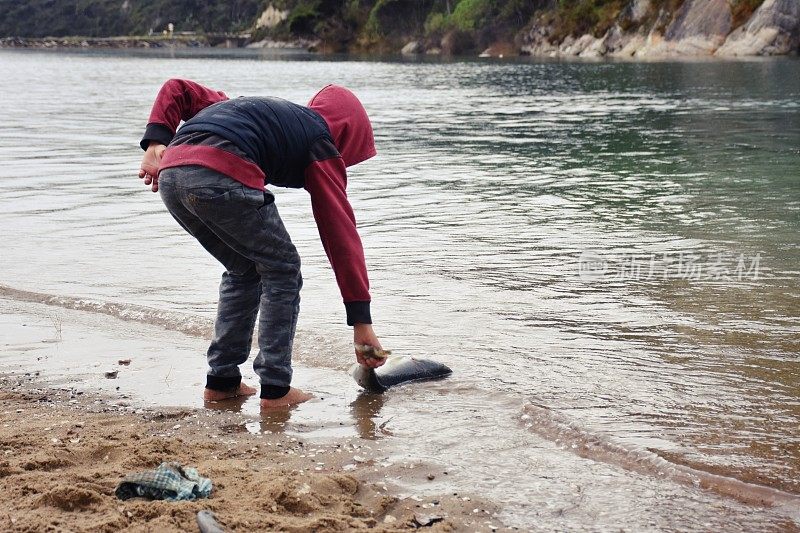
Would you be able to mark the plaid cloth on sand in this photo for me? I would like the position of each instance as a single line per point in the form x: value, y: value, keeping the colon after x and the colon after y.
x: 170, y: 481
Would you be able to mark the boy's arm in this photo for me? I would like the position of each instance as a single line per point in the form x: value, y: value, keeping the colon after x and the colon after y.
x: 326, y: 182
x: 177, y: 100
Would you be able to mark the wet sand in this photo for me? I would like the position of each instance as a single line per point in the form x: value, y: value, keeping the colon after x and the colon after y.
x: 62, y: 453
x: 86, y: 400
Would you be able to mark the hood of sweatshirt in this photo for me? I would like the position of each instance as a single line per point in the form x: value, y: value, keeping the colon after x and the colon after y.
x: 348, y: 122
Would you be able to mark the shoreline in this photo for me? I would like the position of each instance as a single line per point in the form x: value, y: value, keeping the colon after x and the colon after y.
x: 63, y: 451
x: 287, y: 51
x: 123, y: 42
x: 233, y: 44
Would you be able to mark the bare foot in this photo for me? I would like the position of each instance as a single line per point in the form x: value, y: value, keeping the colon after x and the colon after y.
x: 293, y: 397
x: 211, y: 395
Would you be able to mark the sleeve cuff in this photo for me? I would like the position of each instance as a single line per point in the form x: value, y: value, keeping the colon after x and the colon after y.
x: 158, y: 133
x: 357, y: 313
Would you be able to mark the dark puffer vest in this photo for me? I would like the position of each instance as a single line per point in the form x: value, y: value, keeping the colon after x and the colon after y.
x: 279, y: 136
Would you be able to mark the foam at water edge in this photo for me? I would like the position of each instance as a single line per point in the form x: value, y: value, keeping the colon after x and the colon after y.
x: 183, y: 323
x: 558, y: 428
x: 322, y: 355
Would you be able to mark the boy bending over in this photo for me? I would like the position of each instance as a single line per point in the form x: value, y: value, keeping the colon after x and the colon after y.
x: 211, y: 176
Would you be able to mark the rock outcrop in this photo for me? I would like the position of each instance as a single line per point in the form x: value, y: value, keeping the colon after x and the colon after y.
x: 412, y: 48
x: 772, y: 30
x: 698, y: 28
x: 271, y: 17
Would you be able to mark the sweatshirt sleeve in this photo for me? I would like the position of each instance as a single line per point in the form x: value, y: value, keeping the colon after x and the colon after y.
x: 176, y: 100
x: 326, y: 182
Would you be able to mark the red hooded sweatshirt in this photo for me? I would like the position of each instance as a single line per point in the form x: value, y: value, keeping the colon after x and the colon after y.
x: 325, y: 178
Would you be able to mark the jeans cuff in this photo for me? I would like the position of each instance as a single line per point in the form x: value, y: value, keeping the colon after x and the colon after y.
x: 223, y: 382
x: 273, y: 392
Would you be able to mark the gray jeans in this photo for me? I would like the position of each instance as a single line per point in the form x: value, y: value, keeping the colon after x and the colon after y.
x: 241, y: 228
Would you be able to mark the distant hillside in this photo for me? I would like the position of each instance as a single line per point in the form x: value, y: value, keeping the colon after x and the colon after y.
x: 104, y: 18
x: 586, y: 28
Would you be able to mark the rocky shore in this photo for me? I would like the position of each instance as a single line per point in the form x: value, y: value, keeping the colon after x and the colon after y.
x: 636, y: 29
x: 699, y: 28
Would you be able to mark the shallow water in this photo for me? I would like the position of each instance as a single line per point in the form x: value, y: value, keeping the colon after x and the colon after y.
x: 605, y: 253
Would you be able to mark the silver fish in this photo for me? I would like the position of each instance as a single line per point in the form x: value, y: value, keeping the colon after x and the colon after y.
x: 398, y: 369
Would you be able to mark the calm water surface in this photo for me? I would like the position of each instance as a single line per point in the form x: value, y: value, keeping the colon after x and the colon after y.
x: 606, y: 254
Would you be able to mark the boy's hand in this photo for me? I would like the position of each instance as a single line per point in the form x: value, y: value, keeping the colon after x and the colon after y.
x: 148, y: 170
x: 364, y: 335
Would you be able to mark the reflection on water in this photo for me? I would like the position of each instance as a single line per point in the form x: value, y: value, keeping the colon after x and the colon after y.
x: 272, y: 421
x: 493, y: 181
x: 228, y: 405
x: 366, y: 409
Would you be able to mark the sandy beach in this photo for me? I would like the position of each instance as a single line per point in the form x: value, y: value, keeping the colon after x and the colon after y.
x: 63, y: 453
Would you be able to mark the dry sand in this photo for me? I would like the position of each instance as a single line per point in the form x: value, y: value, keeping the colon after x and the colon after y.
x: 62, y: 453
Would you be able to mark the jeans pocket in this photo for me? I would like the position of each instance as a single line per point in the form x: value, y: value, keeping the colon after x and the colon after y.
x: 207, y: 195
x: 254, y: 197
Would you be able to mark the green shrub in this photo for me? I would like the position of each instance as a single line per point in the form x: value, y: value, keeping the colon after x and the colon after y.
x: 469, y: 14
x: 607, y: 16
x: 578, y: 17
x: 103, y: 18
x: 436, y: 23
x: 397, y: 17
x: 303, y: 18
x: 517, y: 13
